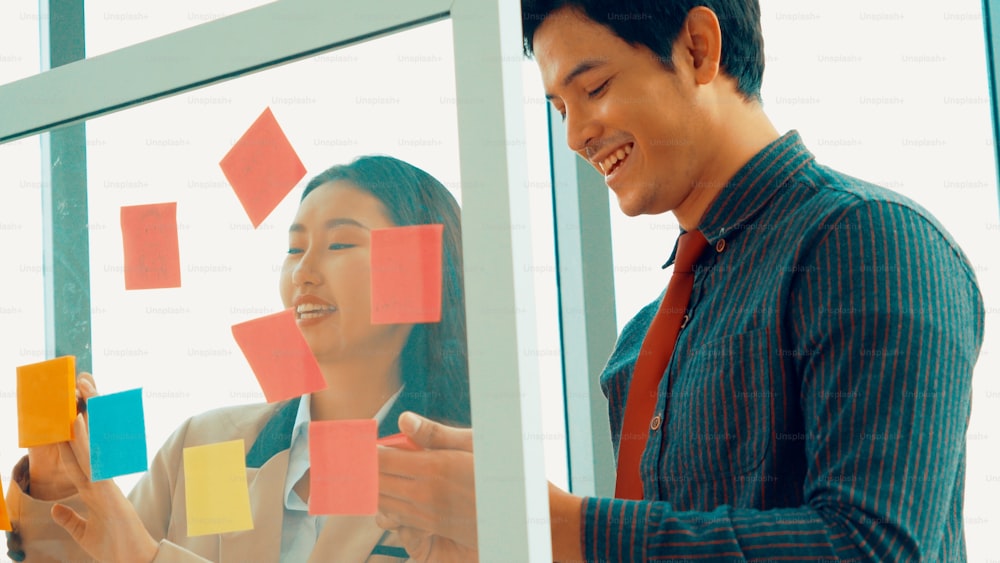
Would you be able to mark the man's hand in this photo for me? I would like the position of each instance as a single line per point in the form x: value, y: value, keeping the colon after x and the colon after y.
x: 430, y: 495
x: 112, y: 530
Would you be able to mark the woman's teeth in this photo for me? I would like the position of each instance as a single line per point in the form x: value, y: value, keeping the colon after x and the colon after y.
x: 312, y: 310
x: 618, y: 156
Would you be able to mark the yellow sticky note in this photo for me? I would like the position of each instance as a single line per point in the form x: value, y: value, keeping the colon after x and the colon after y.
x: 46, y: 402
x: 215, y: 490
x: 4, y: 517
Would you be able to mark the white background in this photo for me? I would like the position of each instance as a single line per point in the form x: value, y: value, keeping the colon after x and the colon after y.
x: 892, y: 92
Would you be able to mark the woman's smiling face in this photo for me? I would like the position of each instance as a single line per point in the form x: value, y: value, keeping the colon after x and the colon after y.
x: 326, y: 276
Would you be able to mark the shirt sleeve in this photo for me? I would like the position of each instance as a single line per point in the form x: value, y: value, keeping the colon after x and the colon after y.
x: 891, y: 310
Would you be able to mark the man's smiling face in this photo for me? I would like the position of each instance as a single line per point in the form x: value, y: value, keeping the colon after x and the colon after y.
x: 636, y: 122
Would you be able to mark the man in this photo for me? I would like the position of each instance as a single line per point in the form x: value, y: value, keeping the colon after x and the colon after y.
x: 814, y: 401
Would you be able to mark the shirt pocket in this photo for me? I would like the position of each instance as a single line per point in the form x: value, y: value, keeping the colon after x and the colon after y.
x: 720, y: 408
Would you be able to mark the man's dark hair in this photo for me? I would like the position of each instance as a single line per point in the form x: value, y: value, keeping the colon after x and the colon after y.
x: 434, y: 361
x: 656, y: 24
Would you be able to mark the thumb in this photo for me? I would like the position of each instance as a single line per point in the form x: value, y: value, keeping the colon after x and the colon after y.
x: 70, y: 521
x: 433, y: 435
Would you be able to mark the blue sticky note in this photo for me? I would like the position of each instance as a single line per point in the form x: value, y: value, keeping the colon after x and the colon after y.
x: 117, y: 435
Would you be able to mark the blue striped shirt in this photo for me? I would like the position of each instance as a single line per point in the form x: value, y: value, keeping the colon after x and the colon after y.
x: 816, y: 404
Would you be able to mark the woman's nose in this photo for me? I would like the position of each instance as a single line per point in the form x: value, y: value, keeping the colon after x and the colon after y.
x: 305, y: 271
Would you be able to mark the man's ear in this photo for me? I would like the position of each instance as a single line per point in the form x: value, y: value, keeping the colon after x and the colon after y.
x: 701, y: 40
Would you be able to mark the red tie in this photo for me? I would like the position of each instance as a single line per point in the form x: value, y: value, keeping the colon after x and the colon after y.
x: 654, y: 356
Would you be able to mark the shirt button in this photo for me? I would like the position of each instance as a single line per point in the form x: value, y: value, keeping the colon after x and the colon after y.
x: 721, y: 245
x: 655, y: 423
x: 684, y: 320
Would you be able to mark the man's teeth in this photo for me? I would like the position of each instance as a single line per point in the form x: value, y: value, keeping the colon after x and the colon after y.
x: 308, y: 310
x: 616, y: 157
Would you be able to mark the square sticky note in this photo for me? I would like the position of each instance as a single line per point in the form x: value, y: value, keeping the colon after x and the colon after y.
x: 117, y: 434
x: 215, y: 489
x: 262, y: 167
x: 149, y: 237
x: 279, y: 356
x: 46, y: 402
x: 343, y: 467
x: 406, y: 274
x: 4, y: 515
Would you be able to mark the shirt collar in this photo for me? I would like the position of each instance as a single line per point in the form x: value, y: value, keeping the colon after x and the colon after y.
x: 752, y: 187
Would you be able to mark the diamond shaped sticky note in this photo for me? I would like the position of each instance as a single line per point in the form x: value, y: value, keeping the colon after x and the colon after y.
x: 343, y: 474
x: 406, y: 274
x: 117, y: 434
x: 262, y: 167
x: 279, y: 356
x: 46, y: 402
x: 149, y: 237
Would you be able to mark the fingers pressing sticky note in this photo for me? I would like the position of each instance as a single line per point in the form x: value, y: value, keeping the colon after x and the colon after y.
x: 215, y: 489
x: 149, y: 236
x: 343, y: 472
x: 262, y: 167
x: 279, y: 356
x: 406, y: 274
x: 4, y: 515
x: 117, y: 435
x: 46, y: 402
x: 400, y: 441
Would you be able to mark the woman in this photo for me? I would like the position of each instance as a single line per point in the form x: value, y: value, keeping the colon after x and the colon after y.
x: 371, y: 370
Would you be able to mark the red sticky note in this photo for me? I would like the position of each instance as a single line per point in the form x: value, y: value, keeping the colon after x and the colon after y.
x: 149, y: 235
x: 406, y: 274
x: 401, y: 441
x: 46, y: 402
x: 343, y: 467
x: 262, y: 167
x: 279, y: 356
x: 4, y: 515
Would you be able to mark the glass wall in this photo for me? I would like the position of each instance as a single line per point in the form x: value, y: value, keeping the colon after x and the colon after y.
x: 113, y: 24
x: 176, y: 343
x: 19, y: 22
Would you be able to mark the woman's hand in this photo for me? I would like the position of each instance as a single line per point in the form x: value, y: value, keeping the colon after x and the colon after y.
x: 112, y: 530
x: 430, y: 495
x: 47, y: 478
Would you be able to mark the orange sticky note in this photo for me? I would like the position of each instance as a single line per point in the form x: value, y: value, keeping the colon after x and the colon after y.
x: 406, y: 274
x: 215, y: 489
x: 262, y: 167
x: 4, y: 515
x: 343, y: 467
x: 46, y: 402
x: 279, y: 356
x: 149, y: 236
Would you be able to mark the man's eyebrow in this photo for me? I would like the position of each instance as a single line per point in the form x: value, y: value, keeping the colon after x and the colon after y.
x: 582, y: 67
x: 329, y: 224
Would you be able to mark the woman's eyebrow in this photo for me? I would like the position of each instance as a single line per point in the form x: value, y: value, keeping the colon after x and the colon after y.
x: 329, y: 224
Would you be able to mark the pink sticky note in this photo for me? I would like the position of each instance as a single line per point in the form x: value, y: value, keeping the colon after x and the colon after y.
x: 279, y: 356
x: 149, y: 236
x: 400, y: 441
x: 262, y: 167
x: 343, y: 467
x: 406, y: 274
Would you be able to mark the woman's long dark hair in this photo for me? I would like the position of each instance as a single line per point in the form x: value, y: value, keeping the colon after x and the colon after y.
x: 434, y: 361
